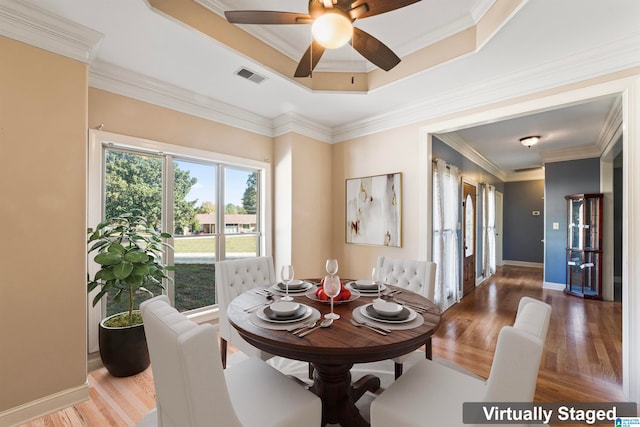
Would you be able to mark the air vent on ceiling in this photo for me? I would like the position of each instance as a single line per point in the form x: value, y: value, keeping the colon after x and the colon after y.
x: 250, y: 75
x: 532, y: 168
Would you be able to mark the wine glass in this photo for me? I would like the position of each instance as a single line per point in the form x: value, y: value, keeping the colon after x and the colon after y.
x: 332, y: 266
x: 331, y: 286
x: 376, y: 276
x: 286, y: 274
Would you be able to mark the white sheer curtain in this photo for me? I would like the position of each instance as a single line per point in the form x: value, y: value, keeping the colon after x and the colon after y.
x: 489, y: 235
x: 445, y: 233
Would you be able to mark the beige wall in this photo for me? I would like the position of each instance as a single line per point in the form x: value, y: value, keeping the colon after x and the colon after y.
x: 130, y: 117
x: 43, y: 105
x: 303, y: 204
x: 312, y: 206
x: 374, y: 155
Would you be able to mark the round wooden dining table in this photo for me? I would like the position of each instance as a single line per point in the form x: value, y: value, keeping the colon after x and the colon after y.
x: 332, y: 351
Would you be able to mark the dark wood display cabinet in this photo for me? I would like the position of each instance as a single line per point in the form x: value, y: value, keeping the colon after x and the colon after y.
x: 584, y: 245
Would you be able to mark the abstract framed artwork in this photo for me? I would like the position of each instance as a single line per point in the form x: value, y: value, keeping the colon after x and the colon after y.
x: 374, y: 215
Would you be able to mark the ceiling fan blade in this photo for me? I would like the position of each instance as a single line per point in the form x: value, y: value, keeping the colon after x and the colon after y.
x: 305, y: 66
x: 374, y: 50
x: 266, y: 17
x: 366, y: 8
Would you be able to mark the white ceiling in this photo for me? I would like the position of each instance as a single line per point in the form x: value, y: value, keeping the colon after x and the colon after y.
x: 546, y: 43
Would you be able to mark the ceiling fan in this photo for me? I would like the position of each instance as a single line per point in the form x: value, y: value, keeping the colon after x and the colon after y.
x: 332, y: 27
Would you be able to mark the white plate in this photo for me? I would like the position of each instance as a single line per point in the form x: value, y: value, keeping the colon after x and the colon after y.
x: 412, y: 315
x: 353, y: 287
x: 365, y: 284
x: 311, y: 294
x: 294, y: 284
x: 262, y: 316
x: 305, y: 287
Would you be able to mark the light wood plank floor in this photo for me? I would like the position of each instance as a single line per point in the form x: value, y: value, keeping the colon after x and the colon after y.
x: 582, y: 360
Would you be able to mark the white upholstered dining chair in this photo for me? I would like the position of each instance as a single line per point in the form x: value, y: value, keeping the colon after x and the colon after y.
x: 234, y: 277
x: 433, y: 394
x: 533, y: 316
x: 415, y: 276
x: 192, y: 389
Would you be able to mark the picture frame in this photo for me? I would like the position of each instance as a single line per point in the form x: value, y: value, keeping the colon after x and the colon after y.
x: 374, y: 210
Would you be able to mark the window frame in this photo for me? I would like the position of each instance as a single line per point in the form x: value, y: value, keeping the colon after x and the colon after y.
x: 96, y: 190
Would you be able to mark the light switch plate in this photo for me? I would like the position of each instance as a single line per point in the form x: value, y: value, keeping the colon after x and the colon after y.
x: 556, y: 226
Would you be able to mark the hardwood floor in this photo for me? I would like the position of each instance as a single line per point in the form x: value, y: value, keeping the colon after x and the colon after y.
x: 582, y: 360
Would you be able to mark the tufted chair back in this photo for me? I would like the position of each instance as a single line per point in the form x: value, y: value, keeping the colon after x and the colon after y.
x: 416, y: 276
x: 234, y: 277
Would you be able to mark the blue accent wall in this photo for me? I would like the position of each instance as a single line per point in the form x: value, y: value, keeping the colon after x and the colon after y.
x: 562, y: 179
x: 523, y: 232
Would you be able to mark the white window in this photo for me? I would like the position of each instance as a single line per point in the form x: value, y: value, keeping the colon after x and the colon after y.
x: 214, y: 205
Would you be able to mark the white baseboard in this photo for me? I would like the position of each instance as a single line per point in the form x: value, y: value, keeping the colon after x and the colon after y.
x: 94, y: 361
x: 524, y: 263
x: 554, y: 286
x: 43, y: 406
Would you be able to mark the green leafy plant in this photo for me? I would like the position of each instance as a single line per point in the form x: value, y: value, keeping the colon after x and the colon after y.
x: 129, y: 252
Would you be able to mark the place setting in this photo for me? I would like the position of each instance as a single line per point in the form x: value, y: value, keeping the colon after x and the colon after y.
x: 285, y: 316
x: 387, y: 315
x: 370, y: 288
x: 288, y: 285
x: 284, y: 313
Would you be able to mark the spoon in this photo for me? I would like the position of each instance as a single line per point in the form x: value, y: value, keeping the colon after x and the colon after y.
x: 324, y: 324
x: 298, y: 329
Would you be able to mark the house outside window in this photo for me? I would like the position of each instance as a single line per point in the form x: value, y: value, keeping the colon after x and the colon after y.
x: 186, y: 192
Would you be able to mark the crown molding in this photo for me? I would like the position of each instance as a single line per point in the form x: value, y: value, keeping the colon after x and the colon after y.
x: 455, y: 141
x: 605, y: 59
x: 292, y: 122
x: 612, y: 127
x: 585, y: 152
x: 525, y: 176
x: 258, y: 31
x: 35, y: 26
x: 480, y: 8
x: 124, y: 82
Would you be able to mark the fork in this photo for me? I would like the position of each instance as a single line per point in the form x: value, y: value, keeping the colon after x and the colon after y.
x: 264, y: 291
x: 371, y: 327
x: 416, y: 308
x: 257, y: 306
x: 392, y: 293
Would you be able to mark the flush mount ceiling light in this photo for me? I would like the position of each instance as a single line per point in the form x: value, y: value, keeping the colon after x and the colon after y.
x: 332, y: 30
x: 528, y: 141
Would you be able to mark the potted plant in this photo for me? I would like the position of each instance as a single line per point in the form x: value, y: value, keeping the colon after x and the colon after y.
x: 129, y: 255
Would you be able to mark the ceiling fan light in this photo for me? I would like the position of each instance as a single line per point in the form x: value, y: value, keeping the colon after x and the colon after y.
x: 332, y: 30
x: 528, y: 141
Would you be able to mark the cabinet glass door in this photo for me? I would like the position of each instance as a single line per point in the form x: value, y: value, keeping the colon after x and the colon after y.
x: 575, y: 217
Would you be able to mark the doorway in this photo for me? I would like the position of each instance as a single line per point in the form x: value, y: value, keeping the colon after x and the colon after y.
x: 468, y: 236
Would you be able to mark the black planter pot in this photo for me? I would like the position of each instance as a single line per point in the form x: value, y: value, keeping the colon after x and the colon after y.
x: 123, y: 351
